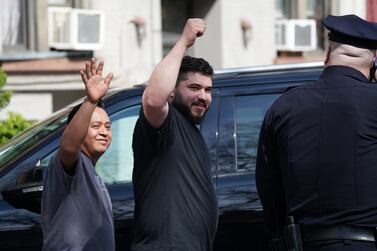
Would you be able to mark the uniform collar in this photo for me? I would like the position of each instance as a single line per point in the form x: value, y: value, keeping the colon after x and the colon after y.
x: 343, y: 71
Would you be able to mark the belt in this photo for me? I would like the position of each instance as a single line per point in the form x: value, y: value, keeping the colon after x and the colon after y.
x: 312, y: 234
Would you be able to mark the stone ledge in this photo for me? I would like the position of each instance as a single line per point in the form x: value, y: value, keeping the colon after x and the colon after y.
x: 48, y: 66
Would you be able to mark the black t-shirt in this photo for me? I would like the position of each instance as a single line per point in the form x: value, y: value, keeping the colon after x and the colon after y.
x: 317, y: 153
x: 175, y: 200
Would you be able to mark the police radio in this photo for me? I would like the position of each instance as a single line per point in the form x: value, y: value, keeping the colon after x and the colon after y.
x: 292, y: 235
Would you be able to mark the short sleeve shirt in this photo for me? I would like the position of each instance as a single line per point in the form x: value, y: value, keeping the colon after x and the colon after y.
x: 175, y: 200
x: 76, y: 211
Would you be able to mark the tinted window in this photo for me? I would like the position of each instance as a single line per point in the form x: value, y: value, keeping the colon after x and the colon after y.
x: 116, y: 165
x: 209, y: 129
x: 31, y: 137
x: 239, y: 125
x: 226, y: 161
x: 250, y: 112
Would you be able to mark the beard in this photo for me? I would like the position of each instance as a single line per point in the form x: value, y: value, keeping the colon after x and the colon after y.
x: 185, y: 109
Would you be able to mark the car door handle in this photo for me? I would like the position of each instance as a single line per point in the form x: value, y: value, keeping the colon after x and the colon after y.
x: 32, y: 189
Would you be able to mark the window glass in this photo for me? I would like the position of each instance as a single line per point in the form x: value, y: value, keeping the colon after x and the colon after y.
x: 44, y: 162
x: 13, y: 25
x: 209, y: 129
x: 116, y: 165
x: 27, y: 172
x: 226, y: 161
x: 250, y: 111
x: 31, y: 136
x: 282, y: 8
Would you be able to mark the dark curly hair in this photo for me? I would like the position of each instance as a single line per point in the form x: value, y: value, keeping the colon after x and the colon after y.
x: 196, y: 65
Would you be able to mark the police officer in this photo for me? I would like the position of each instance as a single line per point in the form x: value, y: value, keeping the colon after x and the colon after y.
x: 317, y: 152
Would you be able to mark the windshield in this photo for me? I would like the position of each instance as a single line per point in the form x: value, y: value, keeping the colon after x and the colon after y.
x: 32, y: 136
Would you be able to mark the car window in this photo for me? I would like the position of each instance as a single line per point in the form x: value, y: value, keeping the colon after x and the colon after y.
x: 226, y: 161
x: 116, y: 165
x: 32, y: 136
x: 240, y: 120
x: 209, y: 131
x: 45, y: 160
x: 250, y: 111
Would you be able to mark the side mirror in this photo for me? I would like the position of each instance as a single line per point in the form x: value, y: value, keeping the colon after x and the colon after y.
x: 27, y: 193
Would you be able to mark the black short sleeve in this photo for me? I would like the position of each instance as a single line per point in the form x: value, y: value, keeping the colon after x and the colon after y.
x: 159, y: 138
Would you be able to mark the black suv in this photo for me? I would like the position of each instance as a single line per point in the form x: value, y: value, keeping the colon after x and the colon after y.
x: 231, y: 129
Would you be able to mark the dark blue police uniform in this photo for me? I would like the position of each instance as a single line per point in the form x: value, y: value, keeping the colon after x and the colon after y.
x: 317, y: 152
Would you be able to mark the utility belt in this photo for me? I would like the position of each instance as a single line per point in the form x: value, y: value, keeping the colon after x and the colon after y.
x: 294, y: 236
x: 340, y: 232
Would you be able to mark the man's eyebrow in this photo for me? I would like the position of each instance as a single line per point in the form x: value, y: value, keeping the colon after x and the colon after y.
x: 197, y: 84
x: 100, y: 122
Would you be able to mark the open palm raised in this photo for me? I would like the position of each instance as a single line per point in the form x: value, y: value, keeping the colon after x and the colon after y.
x: 95, y: 87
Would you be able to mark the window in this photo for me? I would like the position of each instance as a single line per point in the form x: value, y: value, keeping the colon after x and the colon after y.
x: 209, y: 128
x: 173, y: 16
x: 13, y: 25
x: 250, y: 111
x: 283, y: 9
x: 226, y: 161
x: 31, y: 136
x: 239, y: 124
x: 23, y: 173
x: 116, y: 165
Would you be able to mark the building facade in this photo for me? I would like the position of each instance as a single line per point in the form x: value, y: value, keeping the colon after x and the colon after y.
x: 43, y: 73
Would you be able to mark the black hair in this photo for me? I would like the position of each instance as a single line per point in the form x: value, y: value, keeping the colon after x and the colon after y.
x: 73, y: 112
x: 196, y: 65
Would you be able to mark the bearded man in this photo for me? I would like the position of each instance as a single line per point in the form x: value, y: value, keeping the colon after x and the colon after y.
x: 175, y: 200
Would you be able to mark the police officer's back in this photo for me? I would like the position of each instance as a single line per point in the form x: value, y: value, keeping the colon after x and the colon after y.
x: 318, y: 147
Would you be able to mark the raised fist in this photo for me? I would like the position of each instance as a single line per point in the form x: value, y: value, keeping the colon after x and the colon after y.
x: 194, y: 28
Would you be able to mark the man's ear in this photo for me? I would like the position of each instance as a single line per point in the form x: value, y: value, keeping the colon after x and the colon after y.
x: 171, y: 97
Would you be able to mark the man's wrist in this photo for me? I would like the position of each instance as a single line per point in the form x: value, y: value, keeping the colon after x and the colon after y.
x: 182, y: 44
x: 91, y: 101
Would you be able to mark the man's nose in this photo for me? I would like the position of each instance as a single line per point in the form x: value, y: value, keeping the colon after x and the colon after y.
x: 202, y: 94
x: 103, y: 130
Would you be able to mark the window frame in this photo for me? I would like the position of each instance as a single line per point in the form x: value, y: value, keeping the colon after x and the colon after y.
x: 233, y: 91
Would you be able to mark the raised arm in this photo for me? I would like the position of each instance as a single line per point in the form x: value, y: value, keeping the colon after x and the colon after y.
x: 163, y: 79
x: 75, y: 132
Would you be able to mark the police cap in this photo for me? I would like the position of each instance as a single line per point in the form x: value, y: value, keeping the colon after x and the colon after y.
x: 352, y: 30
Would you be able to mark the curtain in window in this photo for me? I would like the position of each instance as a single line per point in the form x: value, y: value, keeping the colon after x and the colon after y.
x: 10, y: 17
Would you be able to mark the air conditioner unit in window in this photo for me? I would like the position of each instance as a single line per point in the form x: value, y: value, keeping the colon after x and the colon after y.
x: 296, y: 35
x: 75, y: 29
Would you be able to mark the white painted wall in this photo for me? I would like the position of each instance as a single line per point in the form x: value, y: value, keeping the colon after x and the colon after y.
x: 130, y: 62
x: 223, y: 44
x: 32, y: 106
x: 210, y: 46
